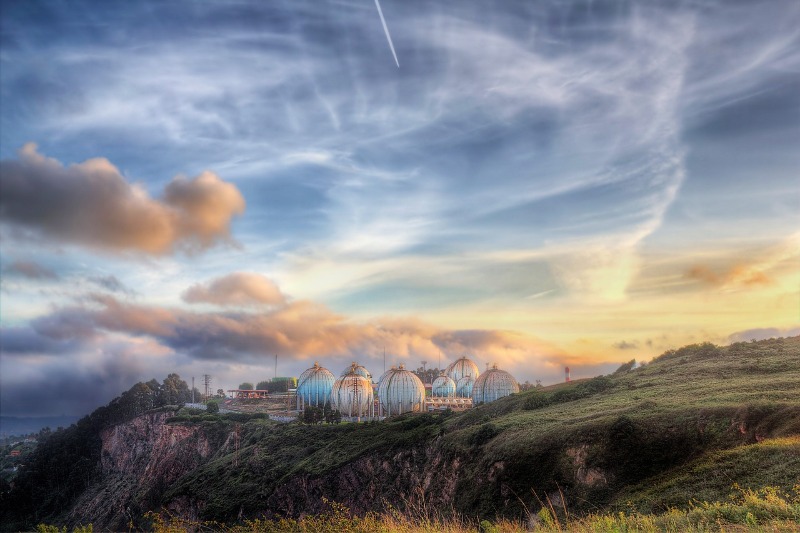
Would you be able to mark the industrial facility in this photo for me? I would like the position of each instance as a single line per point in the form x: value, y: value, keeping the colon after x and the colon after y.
x: 399, y: 390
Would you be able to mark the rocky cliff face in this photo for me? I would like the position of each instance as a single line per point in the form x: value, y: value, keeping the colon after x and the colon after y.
x: 419, y: 476
x: 224, y: 471
x: 140, y: 460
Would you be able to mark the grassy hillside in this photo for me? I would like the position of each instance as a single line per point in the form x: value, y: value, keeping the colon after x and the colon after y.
x: 652, y: 437
x: 698, y: 423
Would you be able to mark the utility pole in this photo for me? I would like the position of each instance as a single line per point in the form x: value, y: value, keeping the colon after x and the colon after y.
x: 207, y: 383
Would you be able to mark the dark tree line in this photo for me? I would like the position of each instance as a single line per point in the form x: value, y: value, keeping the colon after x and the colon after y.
x: 427, y: 375
x: 65, y: 462
x: 318, y: 415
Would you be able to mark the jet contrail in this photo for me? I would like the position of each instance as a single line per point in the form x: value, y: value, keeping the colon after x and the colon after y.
x: 386, y: 30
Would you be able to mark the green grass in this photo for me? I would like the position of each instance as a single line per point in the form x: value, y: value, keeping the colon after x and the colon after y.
x: 683, y: 426
x: 773, y: 462
x: 650, y: 442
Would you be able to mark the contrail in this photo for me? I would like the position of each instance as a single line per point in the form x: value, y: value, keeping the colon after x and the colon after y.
x: 386, y: 30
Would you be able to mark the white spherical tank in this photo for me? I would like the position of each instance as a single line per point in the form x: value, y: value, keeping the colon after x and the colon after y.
x: 386, y: 375
x: 352, y: 395
x: 400, y: 391
x: 355, y: 368
x: 493, y: 384
x: 462, y: 367
x: 443, y: 387
x: 314, y: 386
x: 464, y: 387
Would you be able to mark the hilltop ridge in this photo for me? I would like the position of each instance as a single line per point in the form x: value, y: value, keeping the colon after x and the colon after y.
x: 693, y: 421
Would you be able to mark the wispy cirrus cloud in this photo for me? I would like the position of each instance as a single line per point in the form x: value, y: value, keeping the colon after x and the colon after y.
x: 30, y: 270
x: 736, y: 275
x: 110, y: 283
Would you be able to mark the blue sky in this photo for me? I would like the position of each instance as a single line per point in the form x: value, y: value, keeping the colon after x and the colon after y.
x: 537, y: 184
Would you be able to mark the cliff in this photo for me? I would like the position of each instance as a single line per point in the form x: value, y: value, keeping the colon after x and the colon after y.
x: 139, y: 460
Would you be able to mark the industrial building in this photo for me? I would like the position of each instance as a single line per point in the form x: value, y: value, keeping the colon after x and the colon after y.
x: 398, y: 390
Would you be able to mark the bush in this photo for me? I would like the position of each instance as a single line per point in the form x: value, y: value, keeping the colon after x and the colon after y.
x: 484, y: 434
x: 212, y: 408
x: 536, y: 400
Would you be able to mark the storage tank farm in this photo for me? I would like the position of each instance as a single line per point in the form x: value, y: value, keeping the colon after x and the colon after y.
x: 314, y: 387
x: 443, y: 387
x: 352, y: 393
x: 492, y: 385
x: 400, y: 391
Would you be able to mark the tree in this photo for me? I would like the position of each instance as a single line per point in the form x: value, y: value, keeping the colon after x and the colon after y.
x: 174, y: 391
x: 626, y: 367
x: 212, y: 407
x: 263, y: 385
x: 312, y: 415
x: 246, y: 386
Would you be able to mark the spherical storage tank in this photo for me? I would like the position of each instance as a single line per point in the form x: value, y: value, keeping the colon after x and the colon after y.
x: 400, y: 391
x: 351, y: 395
x: 357, y: 369
x: 462, y: 367
x: 443, y: 387
x: 493, y: 384
x: 464, y: 387
x: 314, y: 386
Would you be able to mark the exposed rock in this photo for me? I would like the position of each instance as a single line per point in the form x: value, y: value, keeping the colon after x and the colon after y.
x: 140, y: 459
x: 584, y: 474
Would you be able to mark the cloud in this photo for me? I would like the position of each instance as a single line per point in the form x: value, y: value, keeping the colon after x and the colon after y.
x: 758, y: 334
x: 25, y: 340
x: 31, y: 270
x: 738, y: 275
x: 92, y: 204
x: 625, y: 345
x: 299, y: 329
x: 110, y: 283
x: 82, y: 377
x: 237, y: 289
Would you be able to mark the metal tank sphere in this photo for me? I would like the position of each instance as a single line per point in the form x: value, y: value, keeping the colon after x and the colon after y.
x: 400, y: 391
x: 464, y: 387
x: 352, y: 395
x: 314, y: 386
x: 443, y: 387
x: 357, y: 369
x: 462, y: 367
x: 493, y: 384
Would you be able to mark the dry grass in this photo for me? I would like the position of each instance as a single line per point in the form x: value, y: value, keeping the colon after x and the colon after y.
x: 767, y: 509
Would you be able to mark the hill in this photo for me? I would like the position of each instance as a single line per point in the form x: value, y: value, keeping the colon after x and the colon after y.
x: 689, y: 425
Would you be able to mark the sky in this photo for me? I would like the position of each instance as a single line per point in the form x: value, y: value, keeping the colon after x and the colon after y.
x: 199, y: 187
